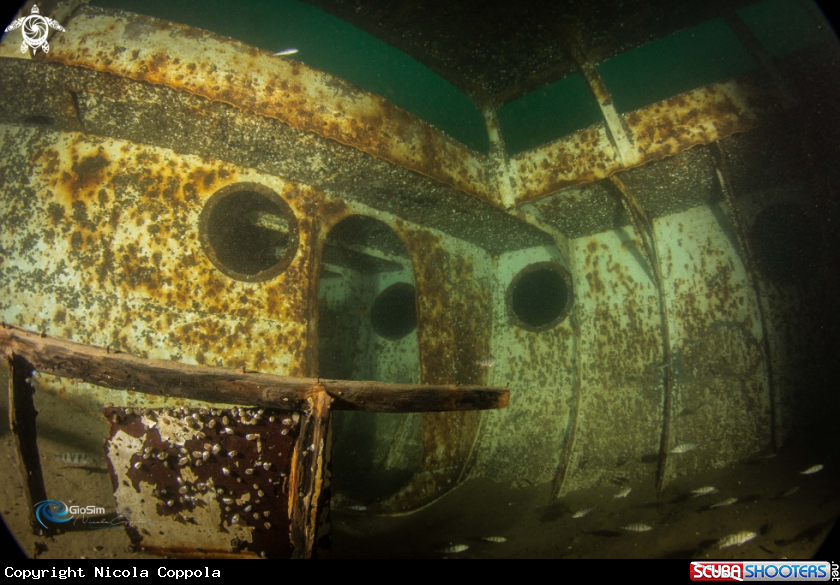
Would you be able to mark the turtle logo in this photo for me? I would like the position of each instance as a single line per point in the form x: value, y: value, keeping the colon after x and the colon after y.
x: 35, y: 30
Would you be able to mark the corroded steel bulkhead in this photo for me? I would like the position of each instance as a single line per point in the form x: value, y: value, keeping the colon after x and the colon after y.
x: 173, y: 194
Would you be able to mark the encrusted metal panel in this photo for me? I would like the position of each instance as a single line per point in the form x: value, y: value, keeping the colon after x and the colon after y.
x: 657, y: 131
x: 498, y: 51
x: 582, y: 157
x: 122, y: 219
x: 664, y: 187
x: 674, y: 184
x: 454, y: 329
x: 70, y: 98
x: 701, y: 116
x: 221, y: 69
x: 621, y: 394
x: 539, y: 370
x: 721, y: 398
x: 798, y: 311
x: 213, y: 482
x: 583, y: 210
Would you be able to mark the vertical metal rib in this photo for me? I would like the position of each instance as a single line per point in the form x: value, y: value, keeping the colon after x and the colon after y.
x: 22, y: 415
x: 571, y: 427
x: 724, y: 178
x: 644, y: 231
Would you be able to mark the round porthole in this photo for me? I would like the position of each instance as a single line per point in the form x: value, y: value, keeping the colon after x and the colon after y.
x: 249, y: 232
x: 540, y: 296
x: 394, y: 313
x: 787, y: 243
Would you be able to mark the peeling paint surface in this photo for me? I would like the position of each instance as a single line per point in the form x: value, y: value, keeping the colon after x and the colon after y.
x: 122, y: 218
x: 208, y: 476
x: 657, y: 131
x: 220, y: 69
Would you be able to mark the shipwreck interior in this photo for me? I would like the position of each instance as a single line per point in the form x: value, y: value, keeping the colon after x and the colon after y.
x: 623, y: 213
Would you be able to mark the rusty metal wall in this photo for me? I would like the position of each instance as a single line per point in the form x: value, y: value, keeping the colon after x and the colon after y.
x: 722, y: 392
x: 122, y: 219
x: 92, y: 211
x: 222, y: 70
x: 539, y: 369
x: 100, y: 232
x: 620, y: 397
x: 454, y: 331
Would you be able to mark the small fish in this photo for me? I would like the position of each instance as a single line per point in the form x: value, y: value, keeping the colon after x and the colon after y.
x: 704, y: 491
x: 357, y: 508
x: 486, y: 362
x: 285, y: 52
x: 494, y: 538
x: 454, y: 548
x: 80, y: 460
x: 583, y: 512
x: 736, y: 539
x: 623, y: 493
x: 790, y: 492
x: 639, y: 527
x: 812, y: 469
x: 684, y: 447
x: 726, y: 502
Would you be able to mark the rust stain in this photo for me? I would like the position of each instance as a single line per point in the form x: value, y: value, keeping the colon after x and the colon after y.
x: 453, y: 332
x: 697, y: 117
x: 240, y: 477
x: 657, y: 131
x: 583, y: 157
x: 215, y: 67
x: 127, y: 216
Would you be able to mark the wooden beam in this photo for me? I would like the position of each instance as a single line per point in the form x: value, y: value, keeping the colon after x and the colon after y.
x: 22, y: 415
x: 308, y: 494
x: 104, y: 367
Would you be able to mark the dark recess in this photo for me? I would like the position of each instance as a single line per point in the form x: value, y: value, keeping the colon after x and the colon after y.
x: 394, y: 313
x: 234, y: 234
x: 539, y: 296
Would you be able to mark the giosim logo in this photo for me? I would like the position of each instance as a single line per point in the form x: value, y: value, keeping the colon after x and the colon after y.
x: 58, y: 512
x: 52, y: 511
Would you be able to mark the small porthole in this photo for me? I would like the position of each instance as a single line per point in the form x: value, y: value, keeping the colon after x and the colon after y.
x: 787, y: 243
x: 540, y: 296
x: 394, y: 313
x: 249, y: 232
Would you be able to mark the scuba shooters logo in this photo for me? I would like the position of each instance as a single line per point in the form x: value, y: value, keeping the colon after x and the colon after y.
x: 58, y: 512
x: 760, y: 571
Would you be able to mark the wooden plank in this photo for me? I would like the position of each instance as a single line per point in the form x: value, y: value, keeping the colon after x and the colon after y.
x: 104, y: 367
x: 22, y: 415
x: 309, y: 494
